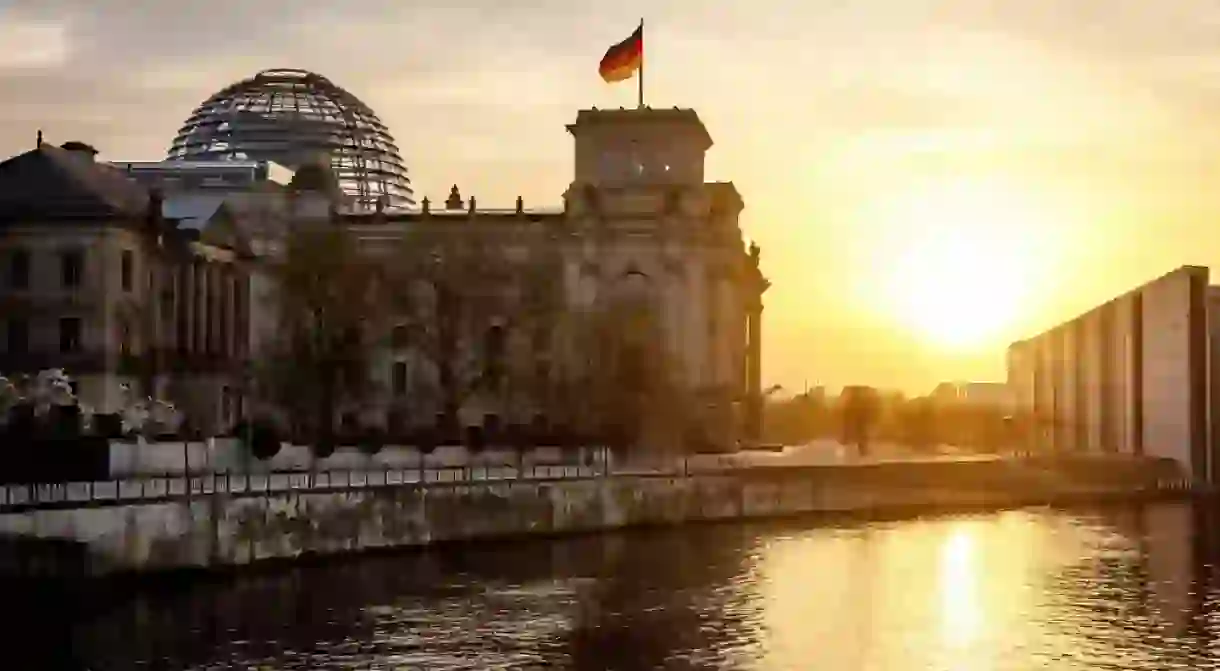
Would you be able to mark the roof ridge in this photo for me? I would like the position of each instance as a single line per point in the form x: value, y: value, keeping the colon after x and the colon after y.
x: 101, y: 181
x: 49, y: 183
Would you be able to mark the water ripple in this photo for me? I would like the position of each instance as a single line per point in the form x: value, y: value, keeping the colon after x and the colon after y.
x: 1128, y: 588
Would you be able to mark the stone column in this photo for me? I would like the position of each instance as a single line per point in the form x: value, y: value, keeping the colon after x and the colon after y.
x: 152, y: 327
x: 711, y: 327
x: 201, y: 308
x: 753, y: 422
x: 186, y: 306
x: 216, y: 309
x: 215, y: 325
x: 695, y: 328
x: 754, y: 287
x: 242, y: 309
x: 230, y: 312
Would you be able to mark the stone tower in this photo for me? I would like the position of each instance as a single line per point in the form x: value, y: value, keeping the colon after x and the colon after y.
x: 657, y: 229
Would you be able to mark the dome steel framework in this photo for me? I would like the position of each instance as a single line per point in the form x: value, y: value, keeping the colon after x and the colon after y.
x: 294, y: 117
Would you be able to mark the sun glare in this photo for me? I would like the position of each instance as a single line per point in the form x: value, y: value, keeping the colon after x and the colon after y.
x: 960, y: 262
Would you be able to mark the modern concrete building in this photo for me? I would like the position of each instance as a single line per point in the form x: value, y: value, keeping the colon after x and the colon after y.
x: 1131, y: 376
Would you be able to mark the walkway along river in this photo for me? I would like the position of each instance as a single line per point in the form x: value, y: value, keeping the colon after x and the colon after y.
x: 225, y: 527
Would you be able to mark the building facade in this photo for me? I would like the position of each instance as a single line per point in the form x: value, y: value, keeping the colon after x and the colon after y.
x: 97, y: 281
x: 1132, y: 376
x: 639, y: 225
x: 640, y: 233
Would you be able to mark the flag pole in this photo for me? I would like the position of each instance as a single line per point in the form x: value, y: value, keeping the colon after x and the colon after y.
x: 642, y: 59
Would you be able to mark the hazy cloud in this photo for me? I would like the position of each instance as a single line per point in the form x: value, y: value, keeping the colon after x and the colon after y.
x: 1118, y: 97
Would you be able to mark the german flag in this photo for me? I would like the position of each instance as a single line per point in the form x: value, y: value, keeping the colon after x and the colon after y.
x: 623, y: 59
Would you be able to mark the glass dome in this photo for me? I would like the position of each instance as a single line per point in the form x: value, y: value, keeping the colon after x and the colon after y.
x: 294, y: 117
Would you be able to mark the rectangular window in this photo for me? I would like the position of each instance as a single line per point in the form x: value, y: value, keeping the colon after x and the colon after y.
x: 17, y: 337
x: 19, y: 269
x: 69, y: 334
x: 398, y: 381
x: 71, y: 268
x: 127, y: 269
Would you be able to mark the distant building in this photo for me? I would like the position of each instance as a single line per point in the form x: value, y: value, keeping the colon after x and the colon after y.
x: 987, y: 394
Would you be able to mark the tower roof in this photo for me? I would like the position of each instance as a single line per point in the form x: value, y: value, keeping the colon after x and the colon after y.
x: 641, y: 117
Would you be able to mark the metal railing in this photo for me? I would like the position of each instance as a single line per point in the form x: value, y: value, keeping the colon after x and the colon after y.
x: 177, y: 487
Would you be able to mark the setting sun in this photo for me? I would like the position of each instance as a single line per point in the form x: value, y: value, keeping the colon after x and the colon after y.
x: 960, y: 261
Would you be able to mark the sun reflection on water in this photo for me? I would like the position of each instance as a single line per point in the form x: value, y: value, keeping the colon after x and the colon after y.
x: 959, y: 604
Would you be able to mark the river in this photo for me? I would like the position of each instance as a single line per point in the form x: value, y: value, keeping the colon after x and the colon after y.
x: 1107, y: 588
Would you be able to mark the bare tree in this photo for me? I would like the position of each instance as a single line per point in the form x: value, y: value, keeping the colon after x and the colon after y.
x: 621, y: 385
x: 860, y: 409
x: 466, y: 305
x: 331, y: 303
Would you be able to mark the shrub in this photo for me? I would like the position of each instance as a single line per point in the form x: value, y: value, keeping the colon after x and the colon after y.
x: 539, y: 430
x: 371, y: 441
x: 425, y: 441
x: 349, y: 429
x: 264, y: 439
x: 475, y: 441
x: 239, y: 429
x: 518, y: 436
x: 65, y: 421
x: 22, y: 420
x: 323, y: 446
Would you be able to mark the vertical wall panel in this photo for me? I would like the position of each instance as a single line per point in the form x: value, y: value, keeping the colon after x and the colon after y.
x: 1172, y: 380
x: 1197, y: 324
x: 1134, y: 375
x: 1060, y: 388
x: 1213, y: 369
x: 1046, y: 393
x: 1135, y: 344
x: 1094, y: 363
x: 1071, y: 388
x: 1110, y: 389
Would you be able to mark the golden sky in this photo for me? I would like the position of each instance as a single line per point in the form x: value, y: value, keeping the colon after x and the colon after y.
x: 927, y: 179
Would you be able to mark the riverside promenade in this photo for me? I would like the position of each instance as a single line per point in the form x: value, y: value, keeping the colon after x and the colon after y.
x: 223, y: 520
x: 154, y: 472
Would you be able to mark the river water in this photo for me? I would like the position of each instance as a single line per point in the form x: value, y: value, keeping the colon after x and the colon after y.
x: 1110, y: 588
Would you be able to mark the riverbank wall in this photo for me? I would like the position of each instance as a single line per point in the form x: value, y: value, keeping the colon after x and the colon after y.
x: 223, y: 531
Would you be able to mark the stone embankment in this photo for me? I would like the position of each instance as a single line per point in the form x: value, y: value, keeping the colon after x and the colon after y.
x: 220, y: 530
